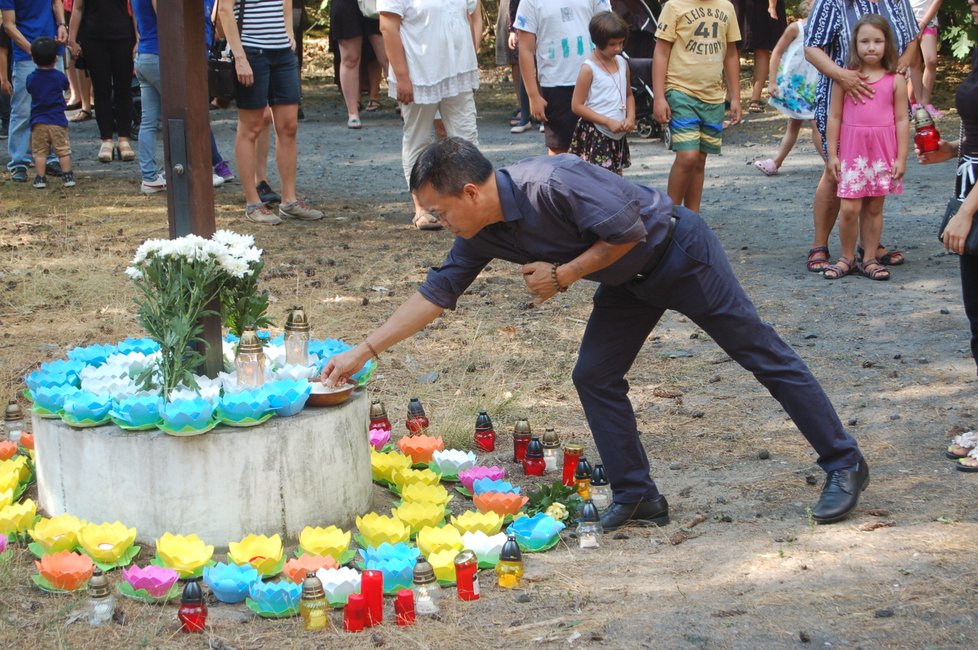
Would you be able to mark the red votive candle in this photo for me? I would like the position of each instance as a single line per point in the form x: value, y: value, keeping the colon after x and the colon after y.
x: 467, y: 575
x: 372, y: 588
x: 404, y: 607
x: 572, y: 454
x: 355, y: 614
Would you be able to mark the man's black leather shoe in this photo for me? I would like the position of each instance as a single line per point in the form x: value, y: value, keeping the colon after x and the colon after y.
x: 840, y: 494
x: 651, y: 512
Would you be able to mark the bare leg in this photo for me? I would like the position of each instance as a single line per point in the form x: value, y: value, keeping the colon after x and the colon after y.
x: 871, y: 226
x: 762, y: 60
x: 65, y: 163
x: 286, y: 121
x: 686, y: 179
x: 350, y: 75
x: 826, y: 209
x: 787, y: 142
x: 262, y: 146
x: 928, y: 47
x: 849, y: 226
x: 251, y: 122
x: 817, y: 139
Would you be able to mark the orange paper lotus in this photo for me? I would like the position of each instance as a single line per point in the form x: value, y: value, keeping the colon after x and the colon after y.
x: 7, y: 450
x: 502, y: 503
x: 65, y: 570
x: 420, y: 448
x: 296, y: 569
x: 27, y: 441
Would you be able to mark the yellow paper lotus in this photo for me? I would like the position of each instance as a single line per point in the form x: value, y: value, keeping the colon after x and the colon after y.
x: 324, y: 541
x: 420, y: 448
x: 106, y: 543
x: 261, y: 552
x: 383, y: 467
x: 408, y: 476
x: 18, y: 463
x: 377, y: 529
x: 443, y: 562
x: 9, y: 477
x: 418, y: 514
x: 431, y: 540
x: 421, y: 493
x: 18, y: 517
x: 185, y: 554
x: 6, y: 498
x: 58, y: 533
x: 472, y: 521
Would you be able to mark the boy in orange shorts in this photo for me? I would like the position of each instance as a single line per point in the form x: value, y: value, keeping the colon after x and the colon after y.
x: 49, y: 126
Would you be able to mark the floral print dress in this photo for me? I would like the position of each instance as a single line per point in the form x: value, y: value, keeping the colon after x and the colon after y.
x: 797, y: 81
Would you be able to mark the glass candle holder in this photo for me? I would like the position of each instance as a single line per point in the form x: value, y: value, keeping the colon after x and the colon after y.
x: 521, y: 438
x: 249, y: 361
x: 582, y: 478
x: 378, y: 417
x: 533, y: 462
x: 417, y: 421
x: 485, y: 435
x: 193, y: 609
x: 101, y: 603
x: 427, y: 591
x: 296, y: 337
x: 509, y: 569
x: 572, y: 453
x: 589, y: 528
x: 313, y: 606
x: 600, y: 489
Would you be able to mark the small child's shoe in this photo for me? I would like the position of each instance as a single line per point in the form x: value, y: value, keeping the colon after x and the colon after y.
x: 936, y: 114
x: 68, y: 178
x: 767, y: 166
x: 40, y: 182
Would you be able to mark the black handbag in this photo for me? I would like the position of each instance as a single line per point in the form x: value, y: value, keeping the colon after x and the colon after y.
x: 967, y: 171
x: 222, y: 78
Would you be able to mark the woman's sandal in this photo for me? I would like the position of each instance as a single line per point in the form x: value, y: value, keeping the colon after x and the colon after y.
x: 889, y: 258
x: 106, y: 151
x: 873, y: 270
x: 372, y: 106
x: 820, y: 263
x: 969, y: 463
x: 126, y: 153
x: 81, y: 116
x: 426, y: 221
x: 961, y: 445
x: 755, y: 106
x: 840, y: 269
x: 353, y: 123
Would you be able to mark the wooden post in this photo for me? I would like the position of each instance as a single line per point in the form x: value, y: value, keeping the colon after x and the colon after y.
x: 186, y: 138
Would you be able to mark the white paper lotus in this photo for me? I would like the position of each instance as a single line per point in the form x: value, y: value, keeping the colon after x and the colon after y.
x: 294, y: 371
x: 486, y: 547
x: 452, y: 461
x: 339, y: 584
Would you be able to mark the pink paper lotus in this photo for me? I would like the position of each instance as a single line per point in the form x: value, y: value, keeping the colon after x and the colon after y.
x: 156, y: 580
x: 379, y: 437
x: 65, y: 570
x: 420, y: 448
x: 502, y: 503
x: 296, y: 569
x: 469, y: 476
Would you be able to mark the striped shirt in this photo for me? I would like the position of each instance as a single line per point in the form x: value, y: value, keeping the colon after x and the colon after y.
x: 263, y: 24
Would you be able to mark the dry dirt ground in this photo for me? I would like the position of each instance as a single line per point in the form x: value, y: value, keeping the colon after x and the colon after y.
x: 755, y: 574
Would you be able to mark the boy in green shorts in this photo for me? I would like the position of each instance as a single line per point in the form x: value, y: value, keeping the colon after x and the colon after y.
x: 695, y: 46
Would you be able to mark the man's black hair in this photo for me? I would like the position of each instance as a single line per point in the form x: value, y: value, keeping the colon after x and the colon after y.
x: 44, y: 51
x: 448, y: 166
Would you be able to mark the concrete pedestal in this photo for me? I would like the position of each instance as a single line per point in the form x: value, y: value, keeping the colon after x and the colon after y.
x: 310, y: 469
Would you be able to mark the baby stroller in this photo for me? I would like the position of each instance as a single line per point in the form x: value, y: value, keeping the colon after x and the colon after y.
x: 642, y: 23
x: 640, y: 76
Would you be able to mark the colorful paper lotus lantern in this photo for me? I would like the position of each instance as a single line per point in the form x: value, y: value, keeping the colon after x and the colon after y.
x: 18, y: 464
x: 59, y: 533
x: 84, y: 405
x: 407, y: 476
x: 7, y: 449
x: 276, y: 599
x: 18, y: 517
x: 91, y: 354
x: 489, y: 485
x: 378, y: 437
x: 187, y: 415
x: 186, y: 554
x: 263, y: 553
x: 230, y: 582
x: 431, y: 540
x: 443, y: 563
x: 471, y: 521
x: 3, y: 543
x: 420, y: 448
x: 6, y: 498
x: 65, y: 570
x: 383, y: 466
x: 537, y: 532
x: 243, y: 406
x: 450, y: 462
x: 339, y: 584
x: 106, y: 543
x: 156, y: 581
x: 397, y: 571
x: 9, y: 476
x: 287, y: 396
x: 417, y: 515
x: 421, y: 493
x: 324, y: 541
x: 502, y: 503
x: 135, y: 411
x: 486, y: 547
x: 27, y: 441
x: 468, y: 476
x: 52, y: 398
x: 377, y: 529
x: 297, y: 568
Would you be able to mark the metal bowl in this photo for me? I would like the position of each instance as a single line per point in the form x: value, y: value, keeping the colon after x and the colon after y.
x: 322, y: 395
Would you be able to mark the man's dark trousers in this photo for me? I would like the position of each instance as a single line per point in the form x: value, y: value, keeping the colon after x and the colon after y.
x: 695, y: 279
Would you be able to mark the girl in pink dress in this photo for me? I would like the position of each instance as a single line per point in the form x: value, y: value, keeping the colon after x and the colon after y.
x: 867, y: 143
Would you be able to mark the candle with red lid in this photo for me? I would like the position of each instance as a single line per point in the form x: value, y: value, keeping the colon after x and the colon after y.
x: 372, y: 589
x: 572, y: 454
x: 467, y: 575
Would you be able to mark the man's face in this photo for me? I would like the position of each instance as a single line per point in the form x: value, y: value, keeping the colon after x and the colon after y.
x: 460, y: 214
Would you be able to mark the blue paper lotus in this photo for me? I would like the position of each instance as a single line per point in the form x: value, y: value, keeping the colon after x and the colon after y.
x: 398, y: 572
x: 400, y: 551
x: 86, y: 405
x: 490, y: 485
x: 142, y: 409
x: 94, y: 355
x: 536, y: 532
x: 45, y: 379
x: 276, y: 598
x: 69, y: 370
x: 52, y: 398
x: 236, y: 407
x: 230, y: 582
x: 143, y: 346
x: 287, y: 396
x: 187, y: 414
